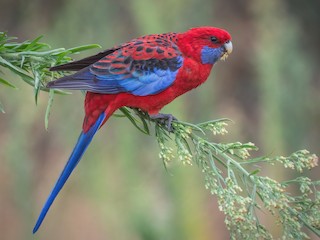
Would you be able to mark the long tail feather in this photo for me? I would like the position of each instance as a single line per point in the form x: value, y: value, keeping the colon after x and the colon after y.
x: 81, y: 146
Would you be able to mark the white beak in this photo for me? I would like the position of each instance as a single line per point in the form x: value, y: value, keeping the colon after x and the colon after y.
x: 228, y: 49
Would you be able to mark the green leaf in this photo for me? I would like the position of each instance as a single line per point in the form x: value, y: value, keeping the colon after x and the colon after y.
x: 193, y: 126
x: 33, y: 43
x: 214, y: 121
x: 162, y: 131
x: 57, y: 91
x: 186, y: 144
x: 4, y: 38
x: 144, y: 124
x: 50, y: 101
x: 83, y: 48
x: 36, y: 85
x: 118, y: 115
x: 22, y: 73
x: 1, y: 108
x: 6, y: 83
x: 254, y: 172
x: 134, y: 121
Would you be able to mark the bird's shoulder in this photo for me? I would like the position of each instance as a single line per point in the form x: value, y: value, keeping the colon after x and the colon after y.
x: 150, y: 52
x: 157, y: 46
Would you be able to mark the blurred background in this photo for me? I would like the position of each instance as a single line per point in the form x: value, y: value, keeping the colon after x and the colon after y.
x: 269, y: 87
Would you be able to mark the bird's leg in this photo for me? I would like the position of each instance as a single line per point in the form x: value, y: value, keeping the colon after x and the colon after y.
x: 164, y: 119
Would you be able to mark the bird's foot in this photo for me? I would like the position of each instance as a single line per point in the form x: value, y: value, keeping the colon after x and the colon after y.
x: 165, y: 119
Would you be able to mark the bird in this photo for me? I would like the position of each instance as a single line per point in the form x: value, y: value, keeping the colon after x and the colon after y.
x: 146, y: 73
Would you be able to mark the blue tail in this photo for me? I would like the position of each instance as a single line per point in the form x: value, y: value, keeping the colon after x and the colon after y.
x: 81, y: 146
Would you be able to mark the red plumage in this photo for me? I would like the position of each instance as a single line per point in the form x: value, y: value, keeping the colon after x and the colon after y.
x: 192, y: 73
x: 147, y: 73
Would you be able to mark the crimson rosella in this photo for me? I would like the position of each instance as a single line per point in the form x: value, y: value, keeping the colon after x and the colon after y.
x: 146, y: 73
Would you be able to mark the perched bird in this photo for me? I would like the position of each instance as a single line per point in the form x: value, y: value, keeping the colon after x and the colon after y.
x: 146, y: 73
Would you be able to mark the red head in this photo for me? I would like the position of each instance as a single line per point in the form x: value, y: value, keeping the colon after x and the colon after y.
x: 205, y: 44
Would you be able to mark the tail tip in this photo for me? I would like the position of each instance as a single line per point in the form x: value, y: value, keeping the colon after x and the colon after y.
x: 38, y: 224
x: 35, y: 229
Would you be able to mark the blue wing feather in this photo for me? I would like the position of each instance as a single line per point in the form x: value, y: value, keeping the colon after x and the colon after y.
x: 138, y: 77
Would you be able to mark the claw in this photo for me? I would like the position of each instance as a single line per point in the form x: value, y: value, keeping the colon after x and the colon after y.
x: 165, y: 119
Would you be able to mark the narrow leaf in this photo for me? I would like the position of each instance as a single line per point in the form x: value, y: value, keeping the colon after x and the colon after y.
x: 1, y: 108
x: 83, y: 48
x: 193, y: 126
x: 6, y: 83
x: 163, y: 129
x: 118, y: 115
x: 33, y: 43
x: 134, y: 121
x: 214, y: 121
x: 50, y: 101
x: 17, y: 70
x: 57, y: 91
x: 36, y: 85
x: 254, y: 172
x: 144, y: 124
x: 186, y: 144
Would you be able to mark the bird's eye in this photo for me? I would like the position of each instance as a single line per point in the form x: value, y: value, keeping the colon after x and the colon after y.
x: 214, y: 39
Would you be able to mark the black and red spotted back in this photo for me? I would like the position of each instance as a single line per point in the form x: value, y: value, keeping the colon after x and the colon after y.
x: 164, y: 40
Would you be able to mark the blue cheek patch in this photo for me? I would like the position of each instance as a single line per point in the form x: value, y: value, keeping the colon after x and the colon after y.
x: 210, y: 55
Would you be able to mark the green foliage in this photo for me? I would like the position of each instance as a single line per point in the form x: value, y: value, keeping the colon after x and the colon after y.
x: 242, y: 192
x: 31, y: 61
x: 229, y: 172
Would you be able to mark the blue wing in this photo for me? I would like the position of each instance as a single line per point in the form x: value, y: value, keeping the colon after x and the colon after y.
x: 120, y: 72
